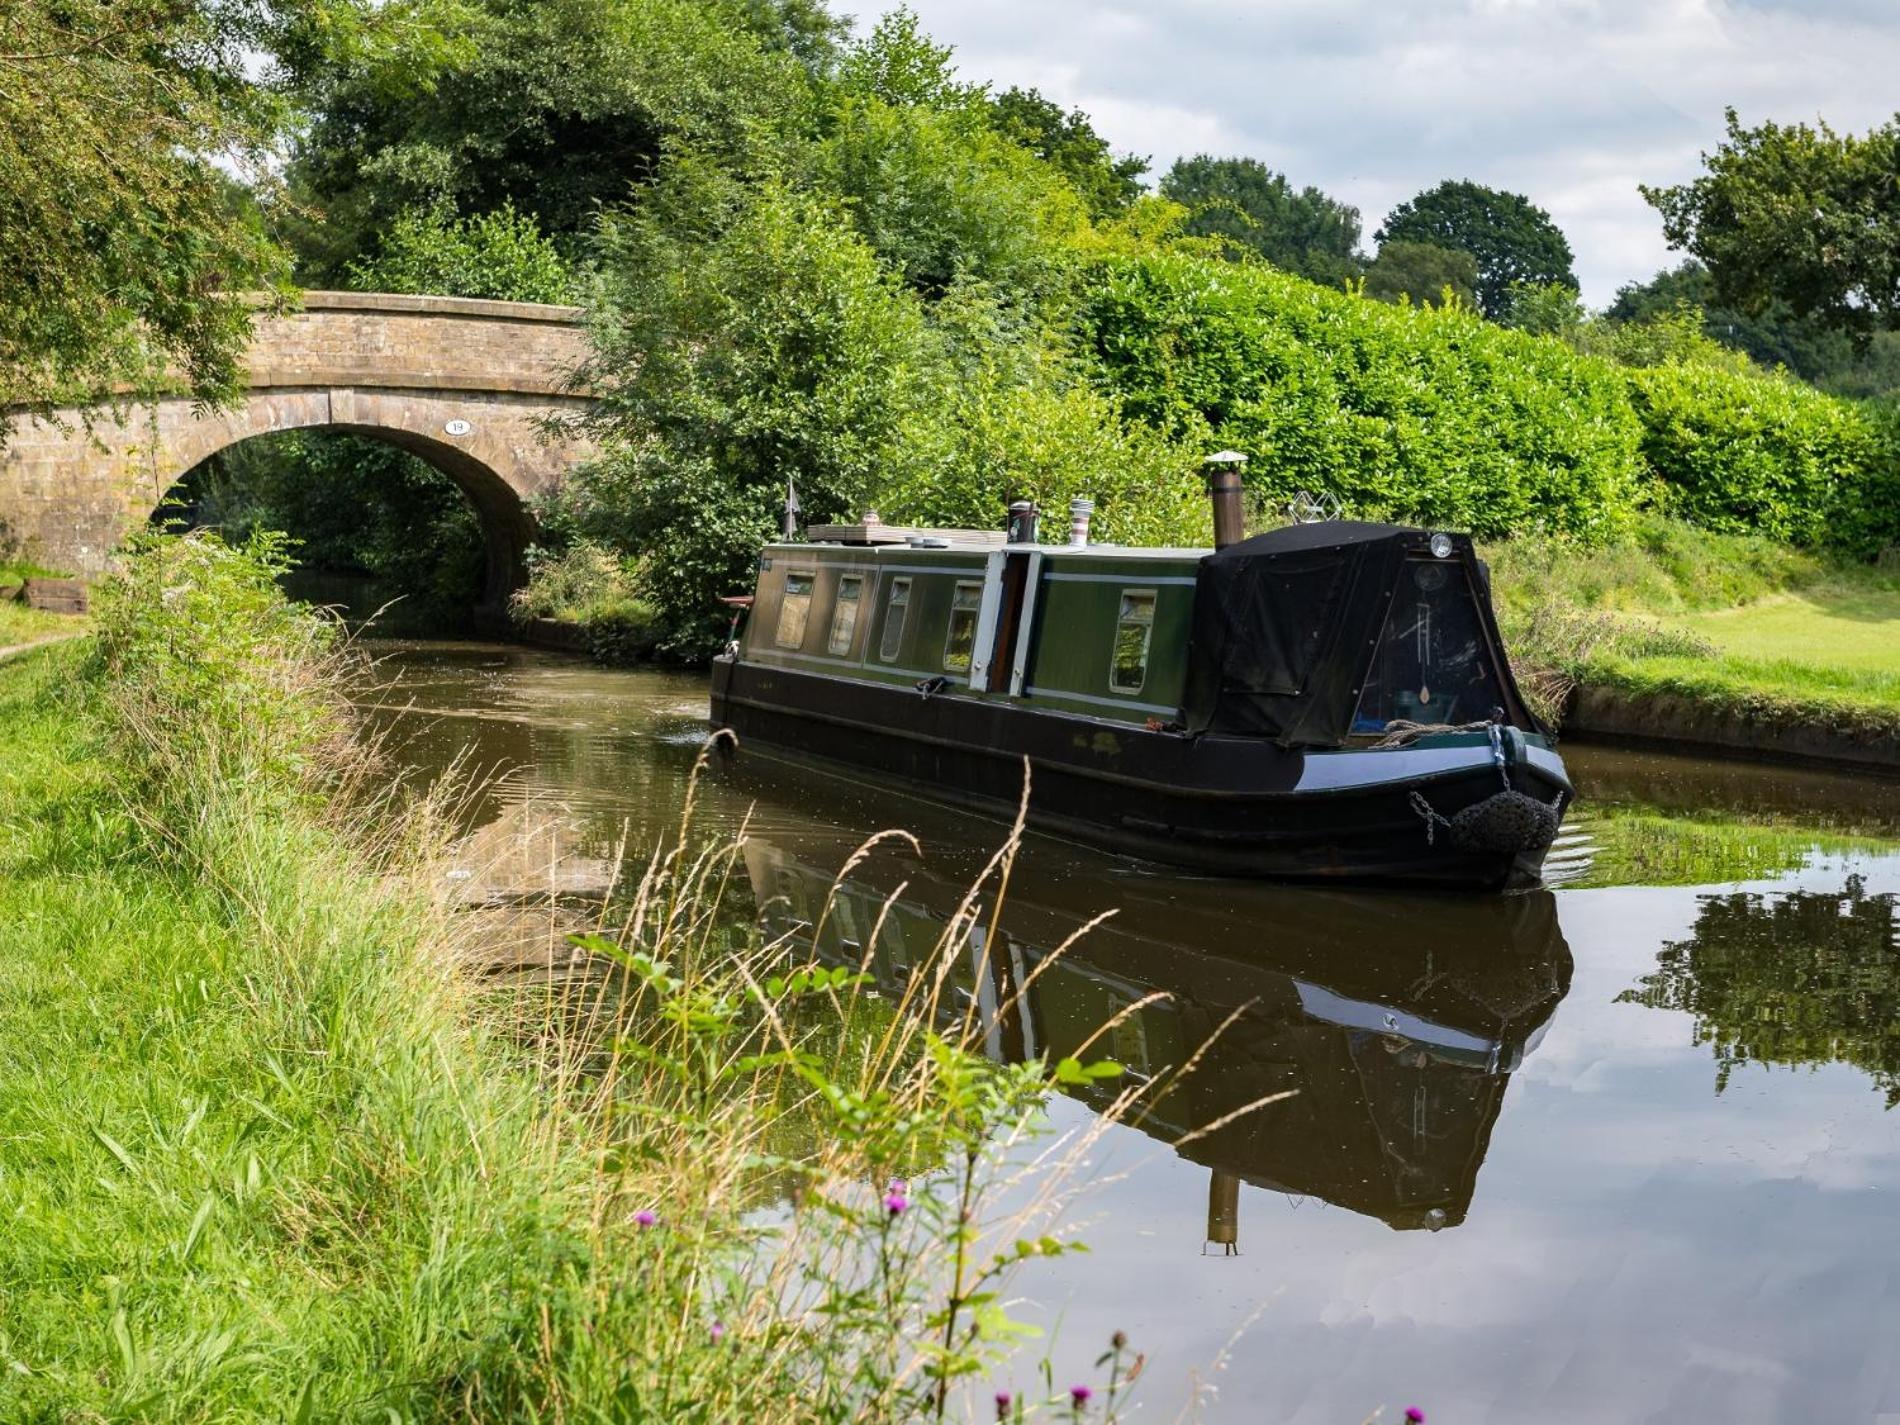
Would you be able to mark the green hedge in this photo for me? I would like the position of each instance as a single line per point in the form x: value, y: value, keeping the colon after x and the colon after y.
x: 1427, y: 415
x: 1440, y: 417
x: 1750, y: 452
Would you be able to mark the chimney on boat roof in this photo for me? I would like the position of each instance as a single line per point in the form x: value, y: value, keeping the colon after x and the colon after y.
x: 1224, y: 486
x: 1023, y: 517
x: 1080, y: 508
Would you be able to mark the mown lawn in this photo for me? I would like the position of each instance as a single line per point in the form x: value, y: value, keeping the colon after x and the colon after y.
x: 1733, y: 622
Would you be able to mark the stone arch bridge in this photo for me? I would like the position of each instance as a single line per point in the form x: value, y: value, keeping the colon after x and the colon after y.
x: 466, y: 385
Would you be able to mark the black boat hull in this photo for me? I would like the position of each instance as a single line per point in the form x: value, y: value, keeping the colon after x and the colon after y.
x: 1229, y: 806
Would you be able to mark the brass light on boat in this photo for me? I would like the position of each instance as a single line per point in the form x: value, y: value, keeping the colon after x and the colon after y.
x: 1224, y: 486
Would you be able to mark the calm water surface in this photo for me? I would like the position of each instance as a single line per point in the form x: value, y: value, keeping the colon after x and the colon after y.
x: 1608, y: 1153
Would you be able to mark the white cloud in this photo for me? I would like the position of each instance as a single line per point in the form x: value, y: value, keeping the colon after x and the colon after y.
x: 1573, y: 102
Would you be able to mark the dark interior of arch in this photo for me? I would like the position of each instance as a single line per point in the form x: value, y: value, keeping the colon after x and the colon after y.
x: 380, y: 516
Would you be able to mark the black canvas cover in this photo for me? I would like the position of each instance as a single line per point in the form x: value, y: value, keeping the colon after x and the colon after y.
x: 1285, y: 624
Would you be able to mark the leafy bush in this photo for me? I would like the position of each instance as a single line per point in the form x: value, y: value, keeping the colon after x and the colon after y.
x: 1434, y: 416
x: 745, y: 341
x: 590, y: 585
x: 214, y: 680
x: 1751, y: 452
x: 501, y: 255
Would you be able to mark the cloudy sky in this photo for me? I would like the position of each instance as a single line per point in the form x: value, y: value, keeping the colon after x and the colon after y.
x: 1573, y: 102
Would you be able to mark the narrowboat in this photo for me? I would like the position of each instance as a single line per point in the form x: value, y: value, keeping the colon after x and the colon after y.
x: 1325, y: 700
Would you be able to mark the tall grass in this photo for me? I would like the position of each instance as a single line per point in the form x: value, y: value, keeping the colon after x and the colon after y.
x: 269, y: 1152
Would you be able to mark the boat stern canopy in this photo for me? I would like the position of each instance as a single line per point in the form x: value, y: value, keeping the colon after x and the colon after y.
x: 1316, y: 632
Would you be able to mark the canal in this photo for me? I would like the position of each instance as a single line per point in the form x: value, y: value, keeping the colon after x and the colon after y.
x: 1618, y: 1151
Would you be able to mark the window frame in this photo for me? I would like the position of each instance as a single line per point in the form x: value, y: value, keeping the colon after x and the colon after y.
x: 810, y: 576
x: 1153, y: 596
x: 889, y: 648
x: 838, y: 602
x: 975, y: 611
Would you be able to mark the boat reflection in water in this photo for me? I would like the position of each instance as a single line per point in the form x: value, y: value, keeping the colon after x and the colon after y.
x: 1397, y: 1020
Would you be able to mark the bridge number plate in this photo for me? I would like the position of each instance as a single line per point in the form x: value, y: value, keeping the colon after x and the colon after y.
x: 458, y: 427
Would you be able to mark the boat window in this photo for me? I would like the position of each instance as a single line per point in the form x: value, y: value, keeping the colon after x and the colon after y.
x: 961, y: 640
x: 844, y: 616
x: 896, y: 610
x: 793, y: 610
x: 1128, y: 669
x: 1433, y: 663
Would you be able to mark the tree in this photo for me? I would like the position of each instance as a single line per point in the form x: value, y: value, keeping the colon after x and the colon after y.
x: 1422, y: 272
x: 123, y: 248
x: 1775, y: 336
x: 1068, y: 142
x: 556, y: 107
x: 1512, y: 239
x: 1799, y: 215
x: 1546, y: 309
x: 1247, y: 204
x: 746, y: 338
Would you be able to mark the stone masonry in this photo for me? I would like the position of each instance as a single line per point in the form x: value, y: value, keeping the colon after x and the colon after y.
x: 469, y: 386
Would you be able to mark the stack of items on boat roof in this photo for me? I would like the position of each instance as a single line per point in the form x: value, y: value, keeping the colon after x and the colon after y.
x: 1323, y: 700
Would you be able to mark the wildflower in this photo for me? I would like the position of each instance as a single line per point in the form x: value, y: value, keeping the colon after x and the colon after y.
x: 1415, y: 1415
x: 1119, y: 1340
x: 1080, y: 1394
x: 1002, y: 1405
x: 895, y: 1203
x: 898, y: 1185
x: 718, y: 1332
x: 646, y: 1217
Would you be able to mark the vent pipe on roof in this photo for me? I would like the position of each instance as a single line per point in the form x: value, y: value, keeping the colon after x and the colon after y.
x: 1080, y: 508
x: 1224, y: 488
x: 1023, y: 518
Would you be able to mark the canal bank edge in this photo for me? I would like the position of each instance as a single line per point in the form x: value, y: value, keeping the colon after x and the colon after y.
x: 1679, y: 720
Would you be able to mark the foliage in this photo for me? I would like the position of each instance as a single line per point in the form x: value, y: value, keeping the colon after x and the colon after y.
x: 1422, y: 273
x: 1255, y: 210
x: 1817, y: 353
x: 1799, y: 979
x: 357, y: 506
x: 1034, y: 429
x: 1435, y: 416
x: 122, y: 246
x: 942, y: 198
x: 596, y: 589
x: 555, y: 107
x: 1546, y: 309
x: 1797, y: 214
x: 501, y: 255
x: 1108, y: 183
x: 215, y: 679
x: 745, y: 341
x: 1758, y: 453
x: 703, y: 1178
x: 1512, y: 239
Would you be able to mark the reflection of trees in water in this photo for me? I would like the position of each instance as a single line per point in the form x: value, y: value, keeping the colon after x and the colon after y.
x: 1798, y: 978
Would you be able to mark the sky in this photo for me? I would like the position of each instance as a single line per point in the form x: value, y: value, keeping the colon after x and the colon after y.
x: 1571, y: 102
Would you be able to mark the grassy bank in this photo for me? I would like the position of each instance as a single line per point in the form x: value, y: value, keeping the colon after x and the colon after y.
x: 1733, y: 626
x: 267, y: 1154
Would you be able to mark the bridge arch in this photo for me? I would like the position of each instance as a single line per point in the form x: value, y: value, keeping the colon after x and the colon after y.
x: 480, y: 390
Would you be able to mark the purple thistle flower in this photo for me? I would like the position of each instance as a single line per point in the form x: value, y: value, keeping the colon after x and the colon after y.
x: 1002, y: 1405
x: 1415, y: 1415
x: 646, y: 1217
x: 1080, y: 1395
x: 717, y: 1332
x: 896, y: 1203
x: 899, y: 1185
